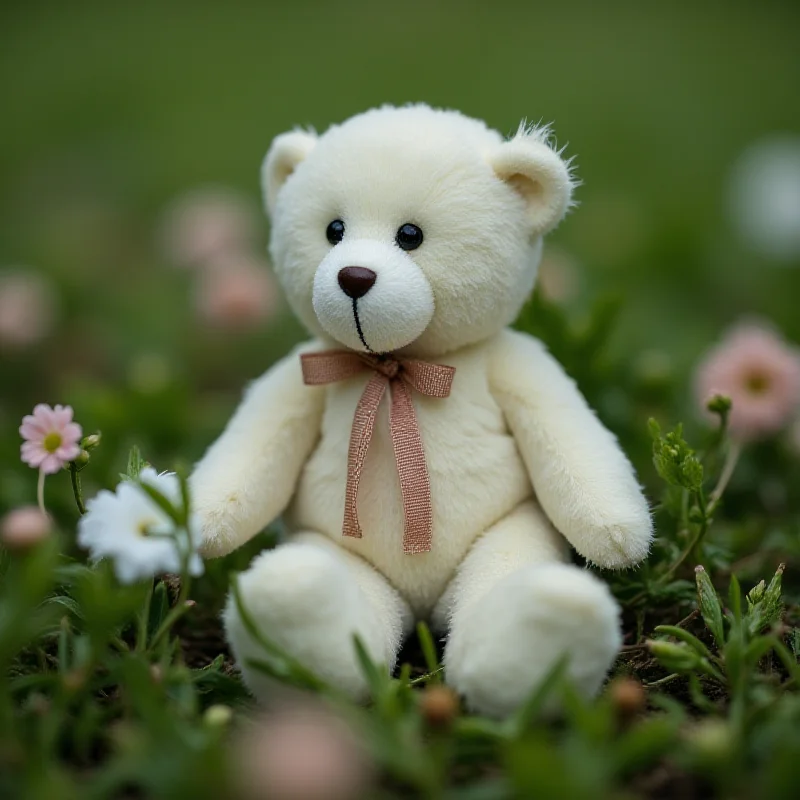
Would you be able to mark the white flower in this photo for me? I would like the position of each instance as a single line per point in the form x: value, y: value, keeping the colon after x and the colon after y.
x: 130, y: 528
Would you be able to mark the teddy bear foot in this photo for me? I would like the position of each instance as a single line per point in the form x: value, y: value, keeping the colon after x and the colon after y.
x: 311, y: 601
x: 505, y: 643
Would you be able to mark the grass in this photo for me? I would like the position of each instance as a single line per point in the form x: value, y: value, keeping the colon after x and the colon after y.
x: 111, y: 111
x: 117, y: 691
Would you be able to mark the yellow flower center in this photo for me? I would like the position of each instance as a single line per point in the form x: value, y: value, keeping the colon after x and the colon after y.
x: 52, y: 442
x: 145, y: 526
x: 757, y: 383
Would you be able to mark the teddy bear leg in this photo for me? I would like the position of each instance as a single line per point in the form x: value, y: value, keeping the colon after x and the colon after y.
x: 515, y: 609
x: 311, y: 597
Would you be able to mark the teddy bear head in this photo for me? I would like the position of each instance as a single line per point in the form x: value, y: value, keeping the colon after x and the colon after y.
x: 411, y: 229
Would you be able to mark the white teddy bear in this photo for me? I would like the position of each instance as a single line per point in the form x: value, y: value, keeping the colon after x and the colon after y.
x: 454, y: 453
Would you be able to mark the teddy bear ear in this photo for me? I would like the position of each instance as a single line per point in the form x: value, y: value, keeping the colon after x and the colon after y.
x: 283, y: 156
x: 532, y: 168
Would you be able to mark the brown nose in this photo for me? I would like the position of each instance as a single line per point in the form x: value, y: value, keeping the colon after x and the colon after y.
x: 356, y: 281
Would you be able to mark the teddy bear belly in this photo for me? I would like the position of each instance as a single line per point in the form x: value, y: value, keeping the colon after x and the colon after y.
x: 477, y: 477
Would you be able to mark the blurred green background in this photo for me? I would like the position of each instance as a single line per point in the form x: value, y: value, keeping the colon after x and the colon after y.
x: 112, y: 110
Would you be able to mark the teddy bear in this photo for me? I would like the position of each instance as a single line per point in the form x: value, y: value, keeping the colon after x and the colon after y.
x: 429, y: 462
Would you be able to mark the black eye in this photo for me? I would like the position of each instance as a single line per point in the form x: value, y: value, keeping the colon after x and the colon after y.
x: 409, y: 237
x: 335, y: 231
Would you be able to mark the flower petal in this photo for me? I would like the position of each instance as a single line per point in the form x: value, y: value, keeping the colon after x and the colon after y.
x: 32, y: 453
x: 68, y: 452
x: 71, y: 432
x: 51, y: 464
x: 31, y: 428
x: 62, y: 415
x: 45, y: 416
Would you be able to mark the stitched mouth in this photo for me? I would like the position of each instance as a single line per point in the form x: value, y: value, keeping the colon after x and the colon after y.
x: 358, y: 326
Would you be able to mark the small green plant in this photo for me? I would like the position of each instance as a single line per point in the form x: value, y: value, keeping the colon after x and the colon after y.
x: 688, y: 503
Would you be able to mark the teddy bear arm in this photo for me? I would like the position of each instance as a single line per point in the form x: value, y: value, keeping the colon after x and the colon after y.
x: 249, y: 474
x: 581, y: 477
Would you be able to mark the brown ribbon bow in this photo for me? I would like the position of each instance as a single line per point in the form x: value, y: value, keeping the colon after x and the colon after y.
x: 433, y: 380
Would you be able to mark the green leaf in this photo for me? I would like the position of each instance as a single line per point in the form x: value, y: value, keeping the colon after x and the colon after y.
x: 698, y: 696
x: 757, y: 649
x: 684, y: 636
x: 764, y: 604
x: 794, y: 642
x: 63, y: 646
x: 159, y: 608
x: 710, y: 606
x: 647, y: 742
x: 376, y: 678
x: 735, y: 598
x: 67, y: 603
x: 135, y: 464
x: 428, y: 650
x: 162, y: 502
x: 185, y: 499
x: 281, y: 663
x: 674, y: 657
x: 674, y: 460
x: 785, y: 656
x: 532, y: 708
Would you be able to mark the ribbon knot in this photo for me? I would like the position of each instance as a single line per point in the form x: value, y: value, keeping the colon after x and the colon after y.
x: 388, y: 367
x: 400, y: 375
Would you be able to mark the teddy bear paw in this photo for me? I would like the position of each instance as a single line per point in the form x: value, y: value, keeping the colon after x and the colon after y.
x: 506, y: 643
x: 302, y: 598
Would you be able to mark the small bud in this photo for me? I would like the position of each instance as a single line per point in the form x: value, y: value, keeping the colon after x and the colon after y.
x: 23, y: 528
x: 217, y: 716
x: 710, y: 607
x: 156, y: 673
x: 628, y: 697
x: 674, y: 657
x: 757, y: 592
x: 91, y: 441
x: 439, y: 705
x: 82, y: 459
x: 719, y: 404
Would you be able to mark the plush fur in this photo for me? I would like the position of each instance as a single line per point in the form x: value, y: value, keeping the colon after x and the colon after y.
x: 519, y: 465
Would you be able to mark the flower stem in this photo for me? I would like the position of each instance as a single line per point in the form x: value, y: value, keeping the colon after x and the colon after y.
x: 144, y: 621
x: 731, y: 460
x: 76, y: 488
x: 40, y: 492
x: 707, y: 506
x: 182, y: 605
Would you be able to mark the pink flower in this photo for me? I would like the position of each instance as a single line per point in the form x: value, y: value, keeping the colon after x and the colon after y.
x: 27, y: 308
x: 303, y: 753
x: 51, y: 438
x: 759, y: 372
x: 206, y: 224
x: 237, y: 294
x: 24, y: 527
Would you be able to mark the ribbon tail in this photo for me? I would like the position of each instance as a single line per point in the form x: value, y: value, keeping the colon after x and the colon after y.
x: 360, y: 437
x: 412, y: 470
